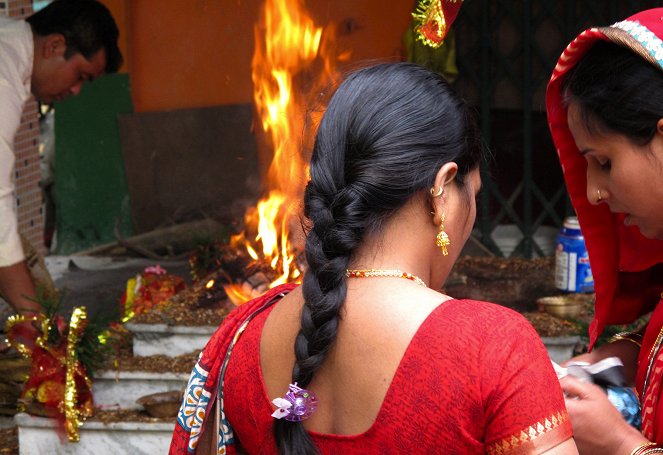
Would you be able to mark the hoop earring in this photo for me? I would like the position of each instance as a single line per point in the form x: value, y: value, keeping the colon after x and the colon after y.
x: 437, y: 193
x: 442, y: 239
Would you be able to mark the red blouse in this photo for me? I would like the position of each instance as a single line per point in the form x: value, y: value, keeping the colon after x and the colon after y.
x: 475, y: 379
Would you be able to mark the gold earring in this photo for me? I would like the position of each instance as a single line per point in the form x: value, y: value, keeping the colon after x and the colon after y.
x: 437, y: 193
x: 442, y: 239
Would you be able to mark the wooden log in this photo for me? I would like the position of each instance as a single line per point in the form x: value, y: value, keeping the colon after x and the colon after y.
x: 180, y: 239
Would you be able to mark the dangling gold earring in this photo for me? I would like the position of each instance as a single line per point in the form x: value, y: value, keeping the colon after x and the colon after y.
x: 442, y: 239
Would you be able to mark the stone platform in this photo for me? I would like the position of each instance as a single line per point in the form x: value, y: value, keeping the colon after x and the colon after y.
x: 38, y: 436
x: 155, y: 339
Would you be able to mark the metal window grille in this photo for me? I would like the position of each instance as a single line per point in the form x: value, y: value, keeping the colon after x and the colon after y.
x: 506, y: 51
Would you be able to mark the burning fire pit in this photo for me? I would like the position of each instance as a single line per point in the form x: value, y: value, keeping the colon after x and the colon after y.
x: 294, y: 61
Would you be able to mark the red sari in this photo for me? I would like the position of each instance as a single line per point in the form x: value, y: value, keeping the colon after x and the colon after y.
x: 474, y: 379
x: 621, y: 258
x: 649, y: 376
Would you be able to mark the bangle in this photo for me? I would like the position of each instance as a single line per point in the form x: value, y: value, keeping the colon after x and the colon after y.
x: 645, y: 448
x: 633, y: 337
x: 640, y: 450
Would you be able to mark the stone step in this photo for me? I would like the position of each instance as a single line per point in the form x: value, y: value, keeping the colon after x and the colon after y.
x: 38, y: 436
x: 120, y: 389
x: 163, y: 339
x: 6, y: 422
x: 560, y: 348
x: 154, y: 339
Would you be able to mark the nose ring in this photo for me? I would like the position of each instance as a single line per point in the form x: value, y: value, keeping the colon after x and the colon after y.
x: 598, y: 192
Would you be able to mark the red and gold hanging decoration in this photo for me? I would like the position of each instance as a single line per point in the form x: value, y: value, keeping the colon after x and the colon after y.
x: 58, y: 385
x: 434, y: 18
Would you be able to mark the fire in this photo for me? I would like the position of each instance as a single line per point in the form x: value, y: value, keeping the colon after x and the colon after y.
x: 293, y: 60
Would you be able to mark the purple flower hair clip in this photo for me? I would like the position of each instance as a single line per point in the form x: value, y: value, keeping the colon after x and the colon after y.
x: 297, y: 404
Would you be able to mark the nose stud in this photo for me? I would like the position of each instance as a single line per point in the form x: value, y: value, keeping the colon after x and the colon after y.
x: 598, y: 192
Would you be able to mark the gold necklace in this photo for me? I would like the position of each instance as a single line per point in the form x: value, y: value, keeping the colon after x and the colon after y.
x: 373, y: 273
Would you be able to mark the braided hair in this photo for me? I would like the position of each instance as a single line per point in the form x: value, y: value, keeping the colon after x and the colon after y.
x: 386, y: 132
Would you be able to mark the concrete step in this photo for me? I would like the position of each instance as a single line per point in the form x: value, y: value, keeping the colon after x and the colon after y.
x: 560, y: 348
x: 6, y: 422
x: 120, y: 389
x: 163, y: 339
x: 38, y: 436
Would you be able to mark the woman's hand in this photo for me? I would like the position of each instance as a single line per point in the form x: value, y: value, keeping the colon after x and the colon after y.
x: 598, y: 427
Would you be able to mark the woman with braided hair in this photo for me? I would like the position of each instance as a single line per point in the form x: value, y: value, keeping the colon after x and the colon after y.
x: 372, y: 358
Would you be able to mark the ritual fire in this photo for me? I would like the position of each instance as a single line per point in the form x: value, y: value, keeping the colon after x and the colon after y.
x: 293, y: 60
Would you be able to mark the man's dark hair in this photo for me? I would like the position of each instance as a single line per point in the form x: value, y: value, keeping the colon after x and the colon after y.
x: 87, y: 26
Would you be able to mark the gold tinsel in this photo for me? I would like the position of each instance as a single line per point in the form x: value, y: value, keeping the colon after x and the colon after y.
x: 432, y: 25
x: 74, y: 417
x: 432, y: 20
x: 19, y: 319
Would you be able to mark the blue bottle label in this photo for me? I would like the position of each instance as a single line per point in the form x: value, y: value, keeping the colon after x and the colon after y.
x: 572, y: 270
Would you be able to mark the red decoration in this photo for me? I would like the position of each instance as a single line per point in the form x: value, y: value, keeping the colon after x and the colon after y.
x: 148, y: 289
x: 434, y: 18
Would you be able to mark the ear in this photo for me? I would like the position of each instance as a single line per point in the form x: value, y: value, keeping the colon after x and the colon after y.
x: 446, y: 174
x: 442, y: 179
x: 54, y: 45
x: 657, y: 140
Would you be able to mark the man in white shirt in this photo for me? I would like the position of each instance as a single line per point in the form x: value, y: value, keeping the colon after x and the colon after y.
x: 50, y: 55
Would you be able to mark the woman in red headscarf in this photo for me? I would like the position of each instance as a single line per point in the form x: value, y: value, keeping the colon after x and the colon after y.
x: 605, y: 110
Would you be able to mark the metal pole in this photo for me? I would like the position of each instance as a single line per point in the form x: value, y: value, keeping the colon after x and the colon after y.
x: 484, y: 106
x: 527, y: 128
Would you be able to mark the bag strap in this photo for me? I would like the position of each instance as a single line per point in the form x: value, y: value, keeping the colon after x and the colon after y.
x: 223, y: 429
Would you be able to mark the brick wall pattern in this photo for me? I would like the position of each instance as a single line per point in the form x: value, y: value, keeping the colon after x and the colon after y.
x: 29, y: 198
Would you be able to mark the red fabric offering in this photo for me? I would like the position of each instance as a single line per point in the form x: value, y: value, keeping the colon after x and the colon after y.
x: 475, y: 379
x: 148, y: 289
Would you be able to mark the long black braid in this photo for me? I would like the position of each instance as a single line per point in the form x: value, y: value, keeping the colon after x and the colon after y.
x: 386, y: 132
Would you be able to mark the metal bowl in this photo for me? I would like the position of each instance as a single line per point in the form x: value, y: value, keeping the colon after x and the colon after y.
x: 162, y: 404
x: 560, y: 306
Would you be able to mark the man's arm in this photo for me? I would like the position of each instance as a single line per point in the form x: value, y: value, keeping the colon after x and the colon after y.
x: 15, y: 281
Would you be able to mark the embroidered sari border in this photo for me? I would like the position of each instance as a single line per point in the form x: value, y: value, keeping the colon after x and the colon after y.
x: 540, y: 436
x: 647, y: 39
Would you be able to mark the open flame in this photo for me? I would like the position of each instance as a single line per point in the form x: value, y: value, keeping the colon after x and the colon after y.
x: 292, y: 61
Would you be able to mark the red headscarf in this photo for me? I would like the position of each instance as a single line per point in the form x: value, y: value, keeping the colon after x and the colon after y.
x: 619, y: 255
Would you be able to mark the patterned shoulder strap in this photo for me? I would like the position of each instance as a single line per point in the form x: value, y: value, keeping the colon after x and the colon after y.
x: 207, y: 376
x: 225, y: 431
